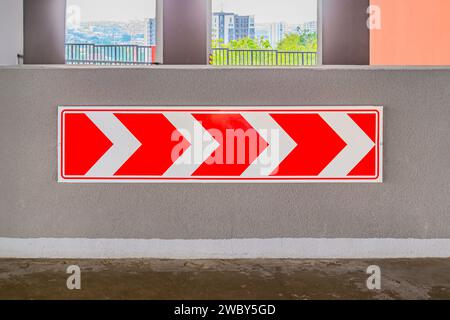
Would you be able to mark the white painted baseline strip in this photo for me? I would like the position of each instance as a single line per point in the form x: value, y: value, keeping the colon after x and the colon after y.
x: 314, y: 248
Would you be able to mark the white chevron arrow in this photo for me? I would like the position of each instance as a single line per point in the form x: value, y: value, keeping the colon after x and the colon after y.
x: 202, y: 144
x: 358, y: 144
x: 124, y: 145
x: 280, y: 144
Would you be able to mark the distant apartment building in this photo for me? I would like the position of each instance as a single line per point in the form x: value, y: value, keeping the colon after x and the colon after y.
x: 134, y: 30
x: 273, y: 32
x: 278, y: 32
x: 230, y: 26
x: 244, y: 26
x: 223, y: 26
x: 310, y: 26
x: 293, y: 28
x: 263, y: 30
x: 150, y: 32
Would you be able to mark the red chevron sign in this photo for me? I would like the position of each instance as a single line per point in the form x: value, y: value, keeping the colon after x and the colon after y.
x: 220, y: 144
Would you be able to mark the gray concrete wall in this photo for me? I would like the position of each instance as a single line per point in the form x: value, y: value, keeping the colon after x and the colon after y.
x: 11, y: 31
x: 413, y: 201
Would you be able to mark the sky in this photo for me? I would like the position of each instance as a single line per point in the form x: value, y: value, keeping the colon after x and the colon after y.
x: 114, y: 10
x: 290, y: 11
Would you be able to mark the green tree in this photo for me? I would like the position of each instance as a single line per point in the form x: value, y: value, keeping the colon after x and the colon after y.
x: 306, y: 41
x: 243, y: 43
x: 218, y: 43
x: 254, y: 51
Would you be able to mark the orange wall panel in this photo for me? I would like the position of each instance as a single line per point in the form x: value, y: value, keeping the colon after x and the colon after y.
x: 413, y: 32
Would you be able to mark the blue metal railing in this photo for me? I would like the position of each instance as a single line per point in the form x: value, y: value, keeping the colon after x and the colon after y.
x: 86, y: 53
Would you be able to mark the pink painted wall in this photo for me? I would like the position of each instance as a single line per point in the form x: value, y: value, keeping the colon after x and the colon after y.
x: 413, y: 32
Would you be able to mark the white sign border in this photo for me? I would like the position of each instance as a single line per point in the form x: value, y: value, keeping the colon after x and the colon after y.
x: 223, y: 109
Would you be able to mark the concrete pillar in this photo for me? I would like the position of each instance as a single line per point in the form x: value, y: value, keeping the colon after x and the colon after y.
x: 345, y: 36
x: 44, y: 31
x: 186, y: 31
x: 11, y: 31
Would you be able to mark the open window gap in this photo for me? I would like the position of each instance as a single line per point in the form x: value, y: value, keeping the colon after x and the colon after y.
x: 265, y: 33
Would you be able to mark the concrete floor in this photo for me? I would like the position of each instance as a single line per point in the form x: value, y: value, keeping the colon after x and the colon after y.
x: 225, y: 279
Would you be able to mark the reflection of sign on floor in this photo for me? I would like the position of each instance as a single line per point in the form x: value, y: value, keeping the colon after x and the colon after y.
x: 220, y: 144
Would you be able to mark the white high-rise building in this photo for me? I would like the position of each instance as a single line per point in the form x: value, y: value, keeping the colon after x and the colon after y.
x: 223, y: 27
x: 274, y: 32
x: 278, y: 32
x: 150, y: 32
